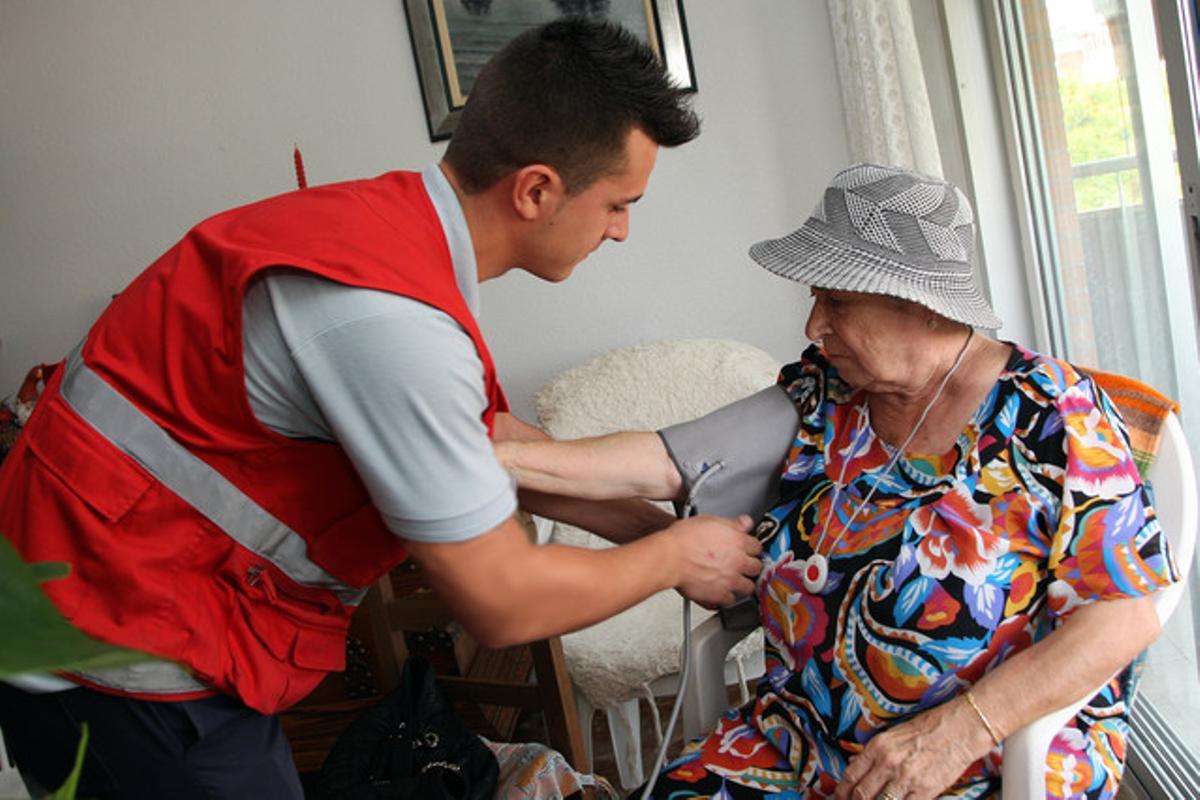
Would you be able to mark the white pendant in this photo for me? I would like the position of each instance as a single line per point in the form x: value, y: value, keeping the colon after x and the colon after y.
x: 815, y: 574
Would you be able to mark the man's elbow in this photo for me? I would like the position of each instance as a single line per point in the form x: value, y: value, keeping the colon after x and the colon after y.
x: 500, y: 632
x: 499, y: 618
x: 499, y: 639
x: 485, y: 581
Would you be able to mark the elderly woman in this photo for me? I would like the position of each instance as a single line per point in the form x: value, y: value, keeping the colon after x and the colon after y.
x: 958, y: 540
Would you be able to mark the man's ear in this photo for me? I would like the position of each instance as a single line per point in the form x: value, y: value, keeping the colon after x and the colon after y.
x: 537, y: 191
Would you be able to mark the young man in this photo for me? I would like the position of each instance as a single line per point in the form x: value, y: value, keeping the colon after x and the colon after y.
x: 295, y: 398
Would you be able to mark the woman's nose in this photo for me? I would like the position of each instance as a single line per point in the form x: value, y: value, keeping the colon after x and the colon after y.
x: 815, y: 327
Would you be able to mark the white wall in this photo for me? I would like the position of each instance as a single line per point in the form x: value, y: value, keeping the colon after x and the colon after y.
x: 124, y: 122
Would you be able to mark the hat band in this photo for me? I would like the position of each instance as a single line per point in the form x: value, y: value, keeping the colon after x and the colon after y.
x: 959, y: 272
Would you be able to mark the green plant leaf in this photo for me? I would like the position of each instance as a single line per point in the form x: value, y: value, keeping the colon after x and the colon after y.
x: 34, y: 637
x: 71, y: 784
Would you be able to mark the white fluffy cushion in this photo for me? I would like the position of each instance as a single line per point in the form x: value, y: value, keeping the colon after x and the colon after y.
x: 643, y: 387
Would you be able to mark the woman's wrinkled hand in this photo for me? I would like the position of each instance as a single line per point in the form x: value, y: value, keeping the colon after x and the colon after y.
x: 918, y: 759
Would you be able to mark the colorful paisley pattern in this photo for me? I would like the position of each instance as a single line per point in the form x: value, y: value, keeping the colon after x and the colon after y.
x: 958, y: 561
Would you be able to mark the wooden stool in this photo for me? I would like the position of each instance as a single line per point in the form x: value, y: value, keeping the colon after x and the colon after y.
x: 401, y: 615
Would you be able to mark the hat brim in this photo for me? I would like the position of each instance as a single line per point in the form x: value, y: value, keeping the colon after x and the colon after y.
x: 818, y: 260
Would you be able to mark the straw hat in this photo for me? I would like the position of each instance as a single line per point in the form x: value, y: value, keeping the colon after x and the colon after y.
x: 889, y: 231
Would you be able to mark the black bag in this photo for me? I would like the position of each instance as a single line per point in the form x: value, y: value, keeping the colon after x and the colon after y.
x: 411, y: 745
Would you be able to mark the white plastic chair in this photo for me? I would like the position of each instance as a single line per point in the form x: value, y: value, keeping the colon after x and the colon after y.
x: 1024, y: 772
x: 635, y: 655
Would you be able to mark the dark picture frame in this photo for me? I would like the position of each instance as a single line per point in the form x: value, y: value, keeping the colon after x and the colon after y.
x: 452, y: 39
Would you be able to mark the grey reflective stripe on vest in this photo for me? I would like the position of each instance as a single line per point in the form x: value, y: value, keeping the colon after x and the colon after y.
x: 198, y: 484
x: 147, y: 677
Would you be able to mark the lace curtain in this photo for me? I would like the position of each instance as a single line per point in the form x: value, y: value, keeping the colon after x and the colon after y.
x: 883, y: 85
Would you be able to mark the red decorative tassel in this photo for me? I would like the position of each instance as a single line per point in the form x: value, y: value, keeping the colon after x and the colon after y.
x: 301, y: 181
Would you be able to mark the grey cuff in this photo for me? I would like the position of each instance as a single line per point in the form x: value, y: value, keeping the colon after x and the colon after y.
x: 751, y: 438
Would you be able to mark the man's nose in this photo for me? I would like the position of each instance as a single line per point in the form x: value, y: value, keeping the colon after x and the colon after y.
x: 618, y: 229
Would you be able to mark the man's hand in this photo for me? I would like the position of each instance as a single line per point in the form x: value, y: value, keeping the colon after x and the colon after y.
x: 719, y: 559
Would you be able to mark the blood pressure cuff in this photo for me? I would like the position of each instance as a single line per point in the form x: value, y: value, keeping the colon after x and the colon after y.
x: 751, y: 438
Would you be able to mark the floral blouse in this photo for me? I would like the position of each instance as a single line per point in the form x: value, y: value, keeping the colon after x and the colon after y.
x: 957, y: 561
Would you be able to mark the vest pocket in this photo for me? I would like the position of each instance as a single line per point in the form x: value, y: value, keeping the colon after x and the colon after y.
x: 290, y: 627
x: 302, y: 645
x: 319, y: 650
x: 94, y: 470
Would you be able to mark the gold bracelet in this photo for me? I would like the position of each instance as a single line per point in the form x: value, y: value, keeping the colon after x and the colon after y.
x: 991, y: 731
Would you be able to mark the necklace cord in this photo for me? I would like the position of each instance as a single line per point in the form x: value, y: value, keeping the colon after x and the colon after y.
x: 839, y: 486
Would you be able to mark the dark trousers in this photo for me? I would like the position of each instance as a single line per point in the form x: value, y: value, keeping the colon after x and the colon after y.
x: 210, y: 748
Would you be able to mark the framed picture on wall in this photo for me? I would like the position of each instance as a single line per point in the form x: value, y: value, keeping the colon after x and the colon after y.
x: 453, y: 39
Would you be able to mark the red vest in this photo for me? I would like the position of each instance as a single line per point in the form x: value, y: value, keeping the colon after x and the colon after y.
x: 194, y: 532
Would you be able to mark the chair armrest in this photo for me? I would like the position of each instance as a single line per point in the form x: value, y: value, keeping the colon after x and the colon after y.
x: 705, y: 698
x: 1173, y: 480
x: 1023, y: 773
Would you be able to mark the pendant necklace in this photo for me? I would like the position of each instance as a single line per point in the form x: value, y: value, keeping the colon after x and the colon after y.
x: 814, y: 572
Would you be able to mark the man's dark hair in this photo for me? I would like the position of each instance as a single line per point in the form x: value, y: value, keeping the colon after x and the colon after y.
x: 566, y: 94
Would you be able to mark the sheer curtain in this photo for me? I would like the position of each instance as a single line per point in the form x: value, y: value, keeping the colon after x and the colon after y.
x: 883, y: 85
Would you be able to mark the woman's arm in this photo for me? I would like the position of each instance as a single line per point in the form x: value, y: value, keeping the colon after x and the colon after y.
x: 922, y: 757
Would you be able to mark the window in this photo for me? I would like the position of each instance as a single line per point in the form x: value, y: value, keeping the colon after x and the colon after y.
x: 1092, y: 141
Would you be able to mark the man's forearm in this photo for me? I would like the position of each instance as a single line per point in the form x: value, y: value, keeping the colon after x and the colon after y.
x: 508, y: 427
x: 518, y: 592
x: 505, y: 590
x: 618, y: 465
x: 618, y: 521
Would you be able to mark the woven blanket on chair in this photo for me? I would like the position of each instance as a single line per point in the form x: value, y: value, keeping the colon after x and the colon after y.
x: 1143, y: 408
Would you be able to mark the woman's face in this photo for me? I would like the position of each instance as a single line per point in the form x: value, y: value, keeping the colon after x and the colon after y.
x: 876, y: 343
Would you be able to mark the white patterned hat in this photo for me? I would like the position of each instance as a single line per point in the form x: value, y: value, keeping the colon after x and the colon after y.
x: 883, y: 230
